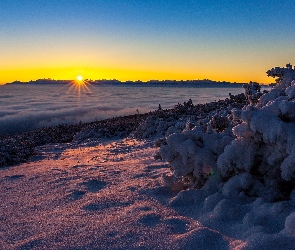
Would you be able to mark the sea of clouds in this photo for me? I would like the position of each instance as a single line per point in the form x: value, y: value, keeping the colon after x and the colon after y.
x: 28, y: 107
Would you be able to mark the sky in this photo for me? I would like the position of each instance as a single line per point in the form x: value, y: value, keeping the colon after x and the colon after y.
x: 235, y: 41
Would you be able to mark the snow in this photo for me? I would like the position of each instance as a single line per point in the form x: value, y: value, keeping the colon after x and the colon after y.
x: 113, y: 195
x: 105, y: 196
x: 220, y: 177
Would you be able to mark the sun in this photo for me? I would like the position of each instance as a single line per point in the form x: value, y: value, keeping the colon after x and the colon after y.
x: 79, y: 78
x: 80, y: 86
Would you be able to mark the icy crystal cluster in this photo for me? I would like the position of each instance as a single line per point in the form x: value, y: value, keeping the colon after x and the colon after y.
x: 252, y: 149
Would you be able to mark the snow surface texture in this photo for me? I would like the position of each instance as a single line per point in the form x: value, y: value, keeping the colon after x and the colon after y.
x: 113, y: 195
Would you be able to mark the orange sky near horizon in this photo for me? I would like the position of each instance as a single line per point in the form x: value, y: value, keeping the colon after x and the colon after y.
x: 235, y: 41
x: 8, y: 76
x: 27, y: 74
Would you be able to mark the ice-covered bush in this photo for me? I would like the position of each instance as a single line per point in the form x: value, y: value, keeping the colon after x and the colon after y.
x: 156, y: 124
x: 264, y: 144
x: 187, y: 115
x: 284, y: 75
x: 192, y: 154
x: 260, y: 145
x: 252, y: 92
x: 219, y: 123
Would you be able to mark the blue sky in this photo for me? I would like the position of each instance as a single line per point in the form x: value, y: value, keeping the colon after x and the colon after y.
x: 146, y: 39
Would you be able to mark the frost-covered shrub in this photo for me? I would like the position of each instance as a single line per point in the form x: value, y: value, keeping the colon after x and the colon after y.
x: 164, y: 122
x: 185, y: 106
x: 252, y: 92
x: 192, y: 154
x: 264, y: 144
x: 157, y: 123
x: 219, y: 123
x: 239, y: 98
x: 285, y: 75
x: 255, y: 152
x: 194, y: 143
x: 187, y: 115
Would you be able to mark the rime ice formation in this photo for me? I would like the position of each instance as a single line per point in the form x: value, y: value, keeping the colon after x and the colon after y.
x: 252, y: 92
x: 285, y: 75
x: 252, y: 147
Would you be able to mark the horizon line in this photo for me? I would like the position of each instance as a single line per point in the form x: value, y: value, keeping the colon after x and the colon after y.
x: 44, y: 80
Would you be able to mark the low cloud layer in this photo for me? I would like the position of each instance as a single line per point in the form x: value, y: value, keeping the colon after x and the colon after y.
x: 30, y: 120
x: 25, y: 108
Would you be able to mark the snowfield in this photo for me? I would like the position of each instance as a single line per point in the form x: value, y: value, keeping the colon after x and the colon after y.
x: 108, y: 196
x: 214, y: 176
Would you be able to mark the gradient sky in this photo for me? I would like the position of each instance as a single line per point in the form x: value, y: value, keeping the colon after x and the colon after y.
x: 147, y: 39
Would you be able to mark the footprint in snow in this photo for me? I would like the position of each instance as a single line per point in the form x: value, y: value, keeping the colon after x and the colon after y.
x: 94, y: 185
x: 150, y: 220
x: 76, y: 195
x: 177, y: 226
x: 104, y: 205
x: 15, y: 177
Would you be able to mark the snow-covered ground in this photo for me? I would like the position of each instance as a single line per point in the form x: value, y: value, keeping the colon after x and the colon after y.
x: 220, y: 177
x: 108, y: 196
x: 112, y: 195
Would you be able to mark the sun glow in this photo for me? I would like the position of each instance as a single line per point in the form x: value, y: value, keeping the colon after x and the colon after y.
x: 81, y: 87
x: 79, y: 78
